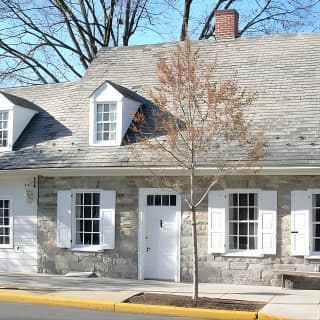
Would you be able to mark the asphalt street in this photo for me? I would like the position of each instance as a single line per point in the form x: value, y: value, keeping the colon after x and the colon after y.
x: 16, y: 311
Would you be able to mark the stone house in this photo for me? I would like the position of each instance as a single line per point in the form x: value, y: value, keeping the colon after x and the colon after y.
x: 73, y: 196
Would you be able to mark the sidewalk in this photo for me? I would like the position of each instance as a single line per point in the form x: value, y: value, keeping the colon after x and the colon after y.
x: 294, y: 304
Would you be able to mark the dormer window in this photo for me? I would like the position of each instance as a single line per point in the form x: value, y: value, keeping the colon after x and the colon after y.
x: 15, y: 114
x: 111, y: 109
x: 106, y: 123
x: 4, y: 115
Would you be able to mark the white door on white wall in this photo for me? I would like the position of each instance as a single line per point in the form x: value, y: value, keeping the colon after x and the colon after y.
x: 162, y: 226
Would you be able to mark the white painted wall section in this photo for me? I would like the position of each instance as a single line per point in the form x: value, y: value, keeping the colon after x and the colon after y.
x: 22, y: 257
x: 21, y: 118
x: 129, y: 107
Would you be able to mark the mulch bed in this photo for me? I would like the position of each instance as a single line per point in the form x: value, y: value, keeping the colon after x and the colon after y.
x: 187, y: 302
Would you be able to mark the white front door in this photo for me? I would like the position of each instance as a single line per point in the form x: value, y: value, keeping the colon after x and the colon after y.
x: 162, y: 229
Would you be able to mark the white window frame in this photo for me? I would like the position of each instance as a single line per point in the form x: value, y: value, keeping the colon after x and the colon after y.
x: 312, y: 254
x: 74, y: 245
x: 10, y: 244
x: 93, y: 124
x: 242, y: 252
x: 96, y: 121
x: 9, y: 130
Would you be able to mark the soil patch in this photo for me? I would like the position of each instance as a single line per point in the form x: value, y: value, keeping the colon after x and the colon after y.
x: 203, y: 302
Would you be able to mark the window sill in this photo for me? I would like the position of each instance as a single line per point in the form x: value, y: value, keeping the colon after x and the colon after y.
x: 313, y: 257
x: 244, y: 254
x: 88, y: 249
x: 106, y: 144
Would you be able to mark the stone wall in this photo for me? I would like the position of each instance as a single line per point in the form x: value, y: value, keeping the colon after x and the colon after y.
x: 123, y: 261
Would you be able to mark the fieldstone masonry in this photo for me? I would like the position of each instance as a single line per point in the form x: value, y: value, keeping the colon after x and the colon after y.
x: 122, y: 262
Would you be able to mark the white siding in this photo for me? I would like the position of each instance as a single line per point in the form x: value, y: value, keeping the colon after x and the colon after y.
x: 129, y: 107
x: 21, y: 117
x: 23, y: 256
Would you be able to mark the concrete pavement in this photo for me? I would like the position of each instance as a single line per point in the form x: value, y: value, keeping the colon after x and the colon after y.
x: 294, y: 304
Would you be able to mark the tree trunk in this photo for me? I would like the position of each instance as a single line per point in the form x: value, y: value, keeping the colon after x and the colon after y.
x: 195, y: 257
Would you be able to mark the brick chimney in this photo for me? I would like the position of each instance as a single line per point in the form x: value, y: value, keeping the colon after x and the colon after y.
x: 226, y: 24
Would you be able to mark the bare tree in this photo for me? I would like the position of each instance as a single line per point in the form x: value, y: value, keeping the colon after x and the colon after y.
x: 196, y: 117
x: 257, y: 16
x: 56, y: 40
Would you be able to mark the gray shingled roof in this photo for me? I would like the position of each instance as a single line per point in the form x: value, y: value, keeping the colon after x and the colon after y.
x: 283, y: 70
x: 18, y: 101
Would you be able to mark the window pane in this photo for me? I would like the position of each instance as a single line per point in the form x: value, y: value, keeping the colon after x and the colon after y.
x: 233, y: 199
x: 173, y: 200
x: 253, y: 199
x: 316, y: 230
x: 106, y: 136
x: 233, y: 242
x: 79, y: 212
x: 87, y: 238
x: 253, y: 243
x: 233, y: 228
x: 87, y: 212
x: 99, y: 107
x: 316, y: 200
x: 253, y: 229
x: 96, y: 212
x: 112, y: 136
x: 96, y: 225
x: 95, y: 238
x: 87, y: 199
x: 79, y: 198
x: 106, y: 116
x: 99, y: 136
x: 100, y: 127
x: 253, y: 214
x: 99, y: 117
x: 96, y: 198
x: 243, y: 199
x: 150, y: 200
x: 243, y: 228
x: 233, y: 214
x: 165, y: 200
x: 113, y: 107
x: 87, y: 226
x: 79, y: 238
x: 157, y: 200
x: 243, y: 243
x: 243, y: 214
x: 316, y: 215
x: 79, y: 225
x: 316, y: 244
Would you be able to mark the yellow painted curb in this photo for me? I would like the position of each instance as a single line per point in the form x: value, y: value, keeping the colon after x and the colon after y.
x: 185, y: 312
x: 55, y: 301
x: 262, y: 316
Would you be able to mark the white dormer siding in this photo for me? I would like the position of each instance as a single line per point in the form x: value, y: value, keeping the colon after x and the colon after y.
x: 13, y: 120
x: 117, y: 113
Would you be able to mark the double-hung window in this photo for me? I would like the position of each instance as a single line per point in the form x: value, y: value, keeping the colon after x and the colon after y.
x: 5, y: 223
x: 86, y: 219
x: 106, y: 122
x: 242, y: 222
x: 4, y: 115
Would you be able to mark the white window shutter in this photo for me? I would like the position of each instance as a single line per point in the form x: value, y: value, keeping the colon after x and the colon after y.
x: 108, y: 204
x: 268, y: 222
x: 64, y: 219
x: 299, y: 223
x: 217, y: 222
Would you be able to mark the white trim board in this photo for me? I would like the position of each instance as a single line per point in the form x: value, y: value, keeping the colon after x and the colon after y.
x: 161, y: 171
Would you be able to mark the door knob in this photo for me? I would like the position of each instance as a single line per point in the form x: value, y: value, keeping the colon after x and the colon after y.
x: 148, y: 249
